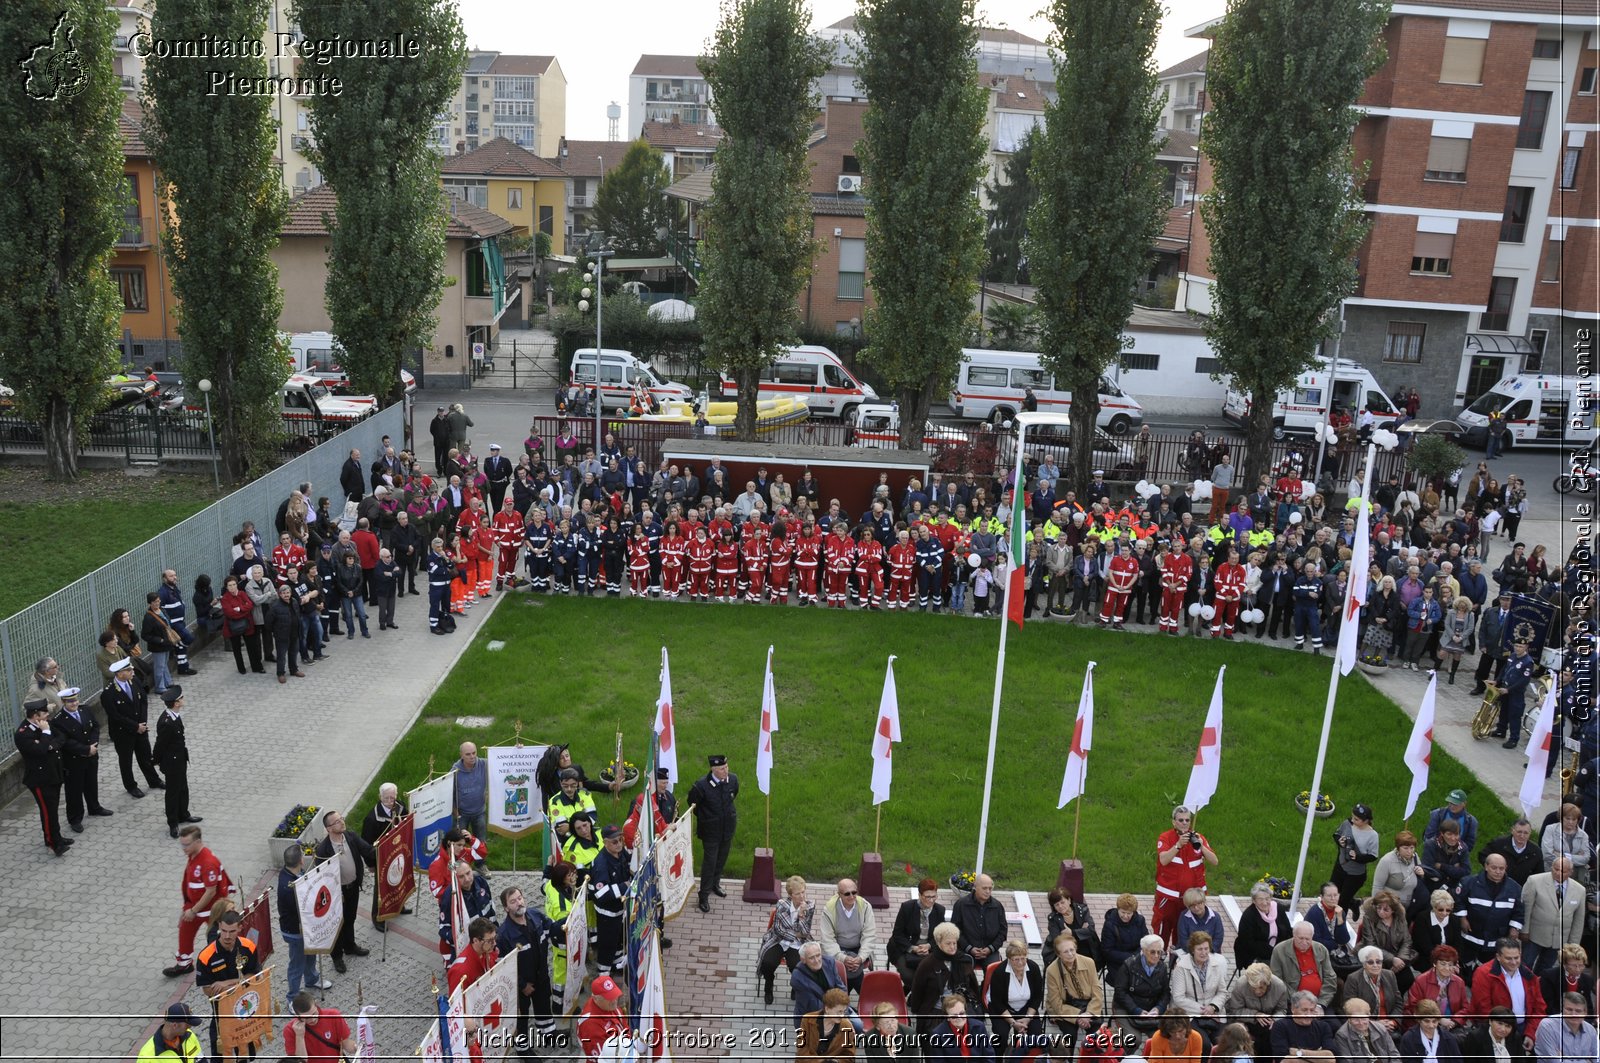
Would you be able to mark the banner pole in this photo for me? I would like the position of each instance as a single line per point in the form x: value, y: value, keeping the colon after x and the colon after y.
x: 877, y: 827
x: 1077, y: 810
x: 768, y: 801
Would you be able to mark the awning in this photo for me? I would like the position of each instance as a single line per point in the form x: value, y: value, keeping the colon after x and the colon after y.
x: 1494, y: 343
x: 618, y: 265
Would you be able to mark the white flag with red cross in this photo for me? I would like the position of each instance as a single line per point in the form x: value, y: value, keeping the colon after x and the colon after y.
x: 666, y: 733
x: 1539, y: 753
x: 1419, y: 749
x: 492, y: 1000
x: 884, y: 737
x: 675, y: 863
x: 769, y: 726
x: 1357, y: 592
x: 1208, y: 757
x: 1082, y: 738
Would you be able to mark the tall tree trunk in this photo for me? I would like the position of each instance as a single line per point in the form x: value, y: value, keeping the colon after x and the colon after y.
x: 914, y: 405
x: 748, y: 379
x: 1085, y: 413
x: 1258, y: 437
x: 60, y: 430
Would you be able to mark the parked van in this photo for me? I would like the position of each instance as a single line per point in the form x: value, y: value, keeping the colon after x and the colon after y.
x: 1299, y: 410
x: 307, y: 398
x: 878, y: 425
x: 990, y: 386
x: 814, y: 375
x: 319, y: 354
x: 1540, y: 411
x: 619, y: 371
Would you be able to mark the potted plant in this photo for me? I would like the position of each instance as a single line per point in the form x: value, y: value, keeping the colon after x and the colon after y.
x: 1373, y: 664
x: 1281, y: 888
x: 1324, y: 803
x: 302, y: 824
x: 630, y: 773
x: 963, y: 881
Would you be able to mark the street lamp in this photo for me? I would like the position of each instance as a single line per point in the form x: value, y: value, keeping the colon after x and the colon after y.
x: 211, y: 433
x: 596, y: 247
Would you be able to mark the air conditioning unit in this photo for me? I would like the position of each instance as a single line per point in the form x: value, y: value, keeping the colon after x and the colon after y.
x: 299, y: 143
x: 849, y: 182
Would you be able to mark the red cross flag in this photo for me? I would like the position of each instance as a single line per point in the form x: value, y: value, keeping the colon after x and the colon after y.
x: 1419, y: 749
x: 1082, y: 737
x: 1538, y: 753
x: 1207, y: 758
x: 1357, y: 596
x: 675, y: 863
x: 884, y: 738
x: 492, y: 1000
x: 769, y: 725
x: 666, y: 734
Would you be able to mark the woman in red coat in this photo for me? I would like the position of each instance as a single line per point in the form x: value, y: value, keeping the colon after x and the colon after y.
x: 238, y: 607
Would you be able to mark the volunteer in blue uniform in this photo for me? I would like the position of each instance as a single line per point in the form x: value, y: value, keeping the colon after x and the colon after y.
x: 1515, y: 675
x: 440, y: 573
x: 608, y: 885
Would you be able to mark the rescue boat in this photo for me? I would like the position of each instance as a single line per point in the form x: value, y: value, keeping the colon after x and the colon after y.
x: 770, y: 413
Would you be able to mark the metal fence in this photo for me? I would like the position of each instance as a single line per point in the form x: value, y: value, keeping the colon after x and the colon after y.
x: 142, y: 435
x: 64, y: 625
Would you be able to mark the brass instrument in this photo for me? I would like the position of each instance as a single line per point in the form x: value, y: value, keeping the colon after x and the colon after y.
x: 1488, y: 715
x: 1569, y: 775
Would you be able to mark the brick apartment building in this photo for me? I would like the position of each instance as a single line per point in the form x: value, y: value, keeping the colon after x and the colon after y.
x: 1479, y: 132
x: 838, y: 294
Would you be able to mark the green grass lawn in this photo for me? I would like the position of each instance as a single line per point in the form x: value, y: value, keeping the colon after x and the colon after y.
x: 572, y: 669
x: 70, y: 531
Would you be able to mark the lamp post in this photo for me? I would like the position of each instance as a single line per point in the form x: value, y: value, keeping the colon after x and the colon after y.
x: 211, y: 433
x: 596, y: 246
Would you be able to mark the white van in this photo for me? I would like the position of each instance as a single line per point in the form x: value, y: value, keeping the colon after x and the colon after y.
x: 1300, y: 409
x: 815, y: 375
x: 619, y: 372
x: 319, y: 354
x: 1540, y: 411
x: 990, y: 386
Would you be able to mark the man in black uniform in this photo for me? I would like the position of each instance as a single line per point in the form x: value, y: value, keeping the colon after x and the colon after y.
x: 172, y: 755
x: 530, y: 927
x: 498, y: 469
x: 223, y: 963
x: 127, y: 708
x: 41, y: 769
x: 1515, y: 675
x: 442, y: 435
x: 608, y: 885
x: 80, y: 759
x: 712, y: 796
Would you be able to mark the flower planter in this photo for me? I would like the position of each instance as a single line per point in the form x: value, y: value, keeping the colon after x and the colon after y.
x: 1373, y: 669
x: 958, y: 884
x: 1320, y: 813
x: 310, y: 832
x: 629, y: 779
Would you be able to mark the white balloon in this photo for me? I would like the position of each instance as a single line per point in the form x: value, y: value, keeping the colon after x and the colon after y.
x: 1295, y: 517
x: 1307, y: 489
x: 1256, y: 616
x: 1208, y: 612
x: 974, y: 560
x: 1194, y: 610
x: 1201, y: 491
x: 1385, y: 439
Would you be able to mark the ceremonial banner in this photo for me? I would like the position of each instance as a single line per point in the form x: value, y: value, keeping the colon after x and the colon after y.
x: 366, y: 1043
x: 433, y: 805
x: 644, y: 899
x: 1529, y: 622
x: 321, y: 906
x: 244, y: 1015
x: 1357, y: 595
x: 257, y: 926
x: 884, y: 736
x: 395, y: 880
x: 1017, y: 554
x: 769, y: 724
x: 515, y: 807
x: 666, y: 736
x: 1072, y: 779
x: 577, y: 951
x: 432, y: 1048
x: 455, y: 1026
x: 1539, y: 753
x: 675, y: 863
x: 492, y: 1000
x: 652, y: 1023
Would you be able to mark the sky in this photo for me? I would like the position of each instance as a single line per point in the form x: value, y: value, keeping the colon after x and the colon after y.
x: 598, y: 43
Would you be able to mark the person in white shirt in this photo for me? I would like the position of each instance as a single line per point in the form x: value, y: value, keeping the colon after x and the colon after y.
x: 1572, y: 1039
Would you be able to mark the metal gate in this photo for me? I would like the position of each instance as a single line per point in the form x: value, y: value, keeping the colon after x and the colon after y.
x: 518, y: 362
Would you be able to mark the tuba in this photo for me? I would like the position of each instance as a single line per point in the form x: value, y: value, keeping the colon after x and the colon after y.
x: 1488, y: 714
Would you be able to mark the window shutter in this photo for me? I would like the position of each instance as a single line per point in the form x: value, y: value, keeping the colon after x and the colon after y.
x: 1448, y: 155
x: 1463, y: 61
x: 1434, y: 245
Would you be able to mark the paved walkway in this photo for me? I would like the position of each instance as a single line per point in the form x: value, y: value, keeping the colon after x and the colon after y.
x: 114, y: 897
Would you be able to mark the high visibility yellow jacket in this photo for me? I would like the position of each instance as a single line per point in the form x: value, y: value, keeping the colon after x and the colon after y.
x: 157, y: 1050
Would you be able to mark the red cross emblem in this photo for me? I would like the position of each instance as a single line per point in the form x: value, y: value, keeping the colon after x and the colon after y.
x: 666, y: 727
x: 1208, y: 740
x: 677, y: 866
x: 1077, y: 737
x: 883, y: 732
x: 491, y: 1018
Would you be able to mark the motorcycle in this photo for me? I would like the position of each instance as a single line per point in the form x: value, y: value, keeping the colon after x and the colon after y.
x: 1581, y: 481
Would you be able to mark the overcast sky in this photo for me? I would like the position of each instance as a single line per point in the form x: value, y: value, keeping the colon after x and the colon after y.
x: 599, y: 41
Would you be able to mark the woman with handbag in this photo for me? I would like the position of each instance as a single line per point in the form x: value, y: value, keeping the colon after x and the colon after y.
x: 1073, y: 998
x: 1456, y: 637
x: 239, y: 625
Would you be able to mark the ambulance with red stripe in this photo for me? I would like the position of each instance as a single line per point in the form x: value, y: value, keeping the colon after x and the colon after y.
x: 990, y: 386
x: 1539, y: 410
x: 1300, y: 409
x: 815, y: 376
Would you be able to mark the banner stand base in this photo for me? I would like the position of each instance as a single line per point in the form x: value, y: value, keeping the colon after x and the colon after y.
x: 869, y: 881
x: 762, y: 885
x: 1070, y: 879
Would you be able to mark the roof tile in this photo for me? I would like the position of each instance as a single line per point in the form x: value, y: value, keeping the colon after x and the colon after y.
x: 501, y: 158
x: 309, y: 210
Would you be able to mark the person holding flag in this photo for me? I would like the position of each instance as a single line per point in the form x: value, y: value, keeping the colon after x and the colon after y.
x: 663, y: 809
x: 471, y: 964
x: 609, y: 877
x: 529, y: 929
x: 603, y: 1018
x: 316, y: 1033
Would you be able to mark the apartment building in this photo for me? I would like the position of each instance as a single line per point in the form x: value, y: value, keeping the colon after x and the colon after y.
x: 686, y: 149
x: 839, y: 292
x: 1000, y: 53
x: 515, y: 184
x: 1015, y: 108
x: 586, y: 163
x: 522, y: 98
x: 669, y: 88
x: 1479, y: 131
x: 149, y: 309
x: 1183, y: 94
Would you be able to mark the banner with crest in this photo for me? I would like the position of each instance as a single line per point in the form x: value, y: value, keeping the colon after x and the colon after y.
x: 515, y: 808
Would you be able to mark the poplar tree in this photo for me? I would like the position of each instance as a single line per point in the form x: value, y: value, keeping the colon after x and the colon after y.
x: 1284, y: 214
x: 922, y: 157
x: 756, y: 256
x: 214, y: 158
x: 1099, y: 202
x: 62, y: 201
x: 387, y: 237
x: 632, y: 204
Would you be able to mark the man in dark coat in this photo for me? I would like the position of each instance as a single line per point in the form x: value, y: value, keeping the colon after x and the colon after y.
x: 354, y: 856
x: 172, y: 757
x: 913, y: 929
x: 982, y: 922
x: 439, y: 430
x: 352, y: 478
x: 127, y: 709
x: 80, y: 759
x: 712, y: 797
x: 41, y: 769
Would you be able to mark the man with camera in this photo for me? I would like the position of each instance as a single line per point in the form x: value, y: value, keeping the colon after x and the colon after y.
x: 1182, y: 856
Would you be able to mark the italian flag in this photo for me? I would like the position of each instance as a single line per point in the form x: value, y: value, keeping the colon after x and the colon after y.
x: 1018, y: 557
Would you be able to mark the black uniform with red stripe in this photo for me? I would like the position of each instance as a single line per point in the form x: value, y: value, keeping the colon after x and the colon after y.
x: 42, y: 775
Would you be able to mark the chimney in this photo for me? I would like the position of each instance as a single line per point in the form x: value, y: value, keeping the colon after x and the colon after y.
x: 676, y: 118
x: 1027, y: 73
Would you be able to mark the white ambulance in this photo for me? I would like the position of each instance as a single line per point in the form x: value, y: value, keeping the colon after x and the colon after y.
x: 619, y: 372
x: 1540, y: 411
x: 1300, y: 409
x: 319, y: 354
x: 990, y: 386
x: 815, y: 376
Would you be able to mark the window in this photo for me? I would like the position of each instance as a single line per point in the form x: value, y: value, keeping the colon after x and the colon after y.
x: 130, y: 280
x: 547, y: 220
x: 983, y: 377
x: 835, y: 377
x: 1535, y: 112
x: 793, y: 373
x: 1149, y: 362
x: 1447, y: 159
x: 1547, y: 48
x: 1463, y: 60
x: 1586, y: 81
x: 1550, y: 264
x: 1208, y: 366
x: 1497, y: 318
x: 850, y: 164
x: 580, y: 187
x: 132, y: 226
x: 1404, y: 342
x: 1029, y: 378
x: 843, y: 328
x: 1431, y: 253
x: 513, y: 199
x: 1533, y: 362
x: 852, y: 269
x: 477, y: 273
x: 1514, y: 223
x: 610, y: 372
x: 1308, y: 396
x: 1569, y: 167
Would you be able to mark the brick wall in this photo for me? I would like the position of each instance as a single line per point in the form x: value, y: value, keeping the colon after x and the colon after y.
x: 820, y: 305
x: 1366, y: 328
x: 1386, y: 262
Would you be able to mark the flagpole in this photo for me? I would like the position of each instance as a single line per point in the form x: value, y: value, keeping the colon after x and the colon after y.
x: 999, y: 669
x: 877, y: 827
x: 1077, y: 809
x: 767, y: 799
x: 1333, y: 693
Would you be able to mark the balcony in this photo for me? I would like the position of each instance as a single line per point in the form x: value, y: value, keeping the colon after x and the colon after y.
x: 1195, y: 101
x: 128, y: 81
x: 120, y: 42
x: 300, y: 142
x: 135, y: 233
x: 580, y: 202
